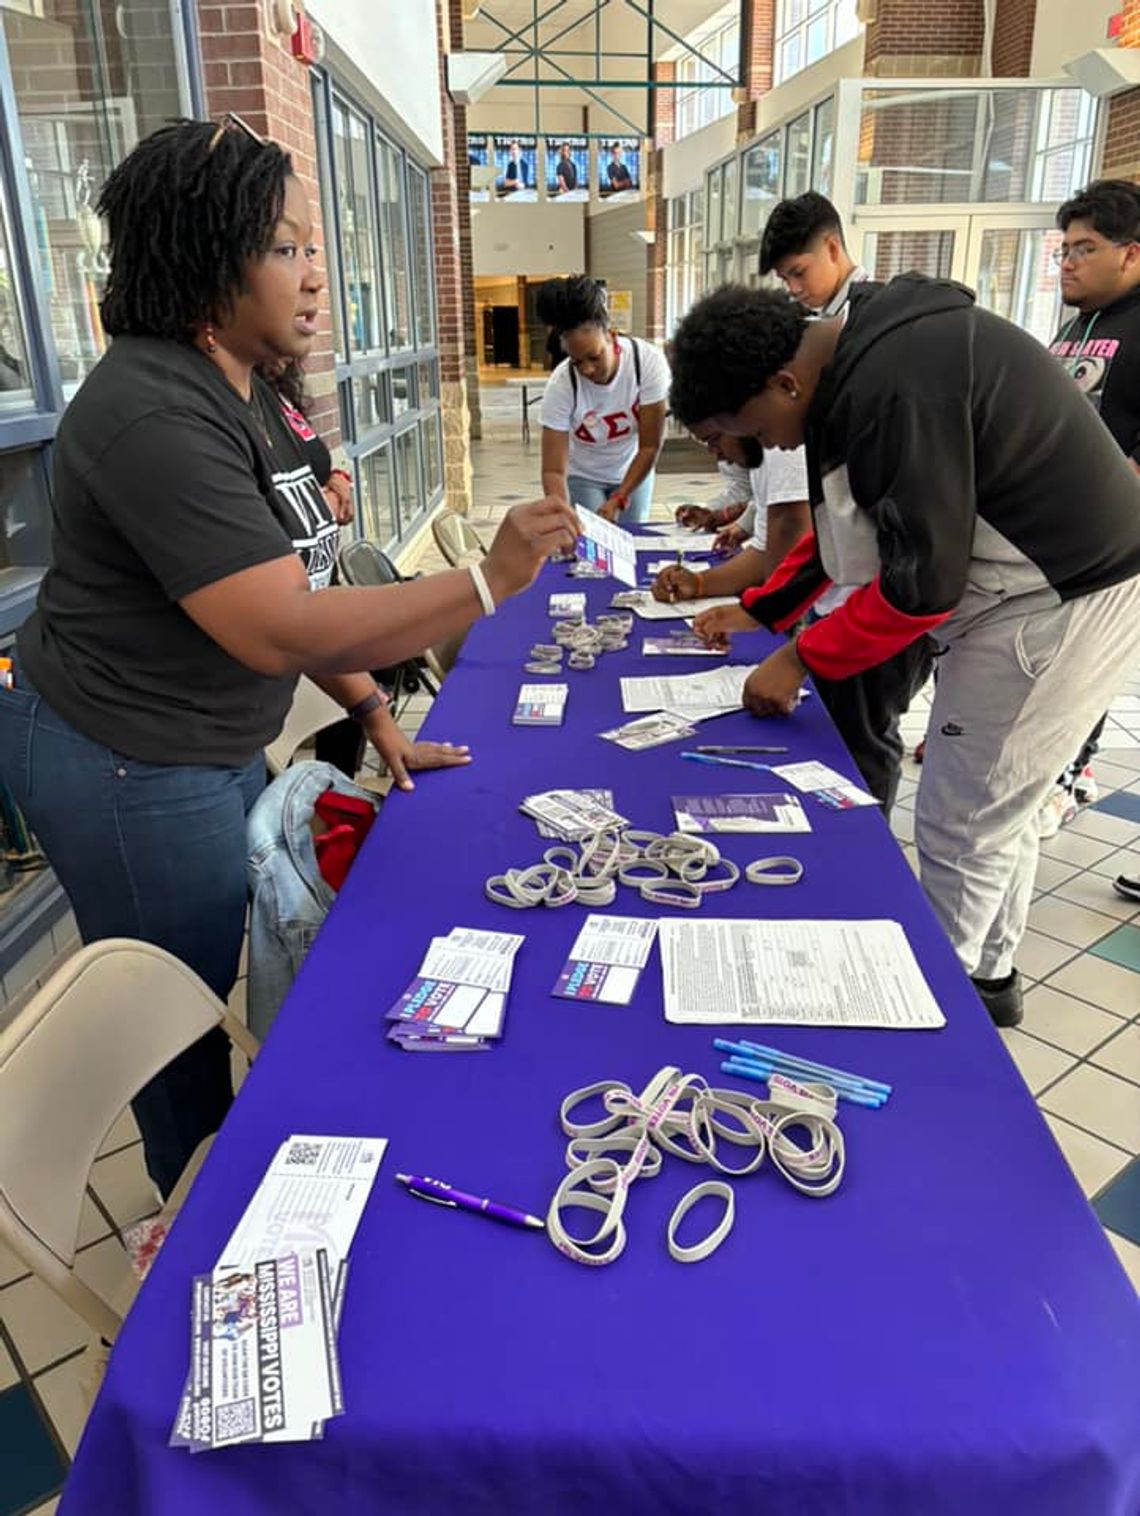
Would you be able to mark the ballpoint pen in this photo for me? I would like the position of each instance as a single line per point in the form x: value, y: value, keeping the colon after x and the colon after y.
x: 443, y: 1194
x: 712, y: 747
x: 736, y: 763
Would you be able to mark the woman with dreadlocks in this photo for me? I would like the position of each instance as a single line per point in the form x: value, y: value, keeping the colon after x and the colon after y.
x: 189, y: 539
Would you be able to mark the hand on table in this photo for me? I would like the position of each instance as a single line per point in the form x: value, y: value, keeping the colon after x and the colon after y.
x: 729, y: 539
x: 694, y: 517
x: 773, y: 688
x: 716, y: 627
x: 403, y: 756
x: 675, y: 583
x: 528, y: 535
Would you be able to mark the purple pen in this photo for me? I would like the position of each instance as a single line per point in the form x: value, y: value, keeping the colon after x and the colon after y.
x: 444, y: 1194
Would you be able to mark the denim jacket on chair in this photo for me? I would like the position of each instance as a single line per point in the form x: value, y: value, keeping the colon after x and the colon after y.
x: 290, y: 899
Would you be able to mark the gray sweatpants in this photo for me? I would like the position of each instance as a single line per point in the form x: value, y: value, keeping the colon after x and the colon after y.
x: 1013, y: 701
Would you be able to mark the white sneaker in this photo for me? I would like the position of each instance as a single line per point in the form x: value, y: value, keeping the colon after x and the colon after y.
x: 1085, y: 789
x: 1058, y: 809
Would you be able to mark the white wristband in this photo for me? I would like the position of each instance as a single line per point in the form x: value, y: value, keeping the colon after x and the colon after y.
x: 482, y: 589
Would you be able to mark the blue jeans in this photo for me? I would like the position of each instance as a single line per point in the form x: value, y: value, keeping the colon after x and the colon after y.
x: 591, y: 496
x: 151, y: 851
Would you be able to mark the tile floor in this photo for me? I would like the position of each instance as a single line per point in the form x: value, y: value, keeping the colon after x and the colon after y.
x: 1078, y: 1047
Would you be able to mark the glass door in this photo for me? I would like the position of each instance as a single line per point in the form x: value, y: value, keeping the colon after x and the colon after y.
x: 1010, y: 265
x: 933, y: 245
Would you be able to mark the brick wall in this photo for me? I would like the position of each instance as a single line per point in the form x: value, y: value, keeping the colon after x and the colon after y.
x: 920, y: 38
x: 757, y: 44
x: 1013, y: 38
x: 253, y: 73
x: 1121, y: 157
x: 462, y: 170
x: 455, y: 306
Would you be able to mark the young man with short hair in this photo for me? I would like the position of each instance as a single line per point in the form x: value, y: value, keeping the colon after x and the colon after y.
x: 804, y: 246
x: 1099, y: 347
x: 945, y: 452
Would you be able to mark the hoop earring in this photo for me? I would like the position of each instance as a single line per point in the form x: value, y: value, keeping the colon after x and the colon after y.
x: 211, y: 340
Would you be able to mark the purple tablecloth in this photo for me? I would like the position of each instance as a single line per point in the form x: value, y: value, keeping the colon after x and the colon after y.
x: 948, y: 1333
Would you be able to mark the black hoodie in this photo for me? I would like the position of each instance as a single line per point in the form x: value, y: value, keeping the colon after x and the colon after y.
x: 951, y: 463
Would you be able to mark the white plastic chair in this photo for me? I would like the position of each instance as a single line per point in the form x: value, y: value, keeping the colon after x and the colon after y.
x: 115, y: 1014
x: 312, y: 710
x: 456, y: 538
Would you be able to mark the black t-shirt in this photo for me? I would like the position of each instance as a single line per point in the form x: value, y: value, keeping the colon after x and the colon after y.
x: 566, y: 173
x: 166, y: 481
x: 1101, y: 350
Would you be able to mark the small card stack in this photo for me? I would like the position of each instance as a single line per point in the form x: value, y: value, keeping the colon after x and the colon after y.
x: 650, y: 731
x: 458, y: 999
x: 566, y: 607
x: 541, y: 704
x: 606, y: 960
x: 573, y: 814
x: 827, y: 785
x: 263, y: 1347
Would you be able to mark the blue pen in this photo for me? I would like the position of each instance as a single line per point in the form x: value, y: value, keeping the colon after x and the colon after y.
x: 789, y: 1061
x: 809, y: 1065
x: 733, y: 763
x: 761, y: 1075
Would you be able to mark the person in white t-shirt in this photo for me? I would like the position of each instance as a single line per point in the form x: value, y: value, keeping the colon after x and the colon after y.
x: 603, y: 413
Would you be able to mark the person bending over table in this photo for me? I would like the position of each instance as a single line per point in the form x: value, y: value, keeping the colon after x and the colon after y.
x: 603, y: 411
x: 945, y: 450
x: 189, y: 540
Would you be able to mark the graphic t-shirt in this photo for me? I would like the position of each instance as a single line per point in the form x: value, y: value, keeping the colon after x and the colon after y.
x: 1101, y: 350
x: 166, y: 480
x: 602, y: 419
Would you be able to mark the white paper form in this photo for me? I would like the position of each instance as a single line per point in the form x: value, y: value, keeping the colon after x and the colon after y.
x: 677, y: 610
x: 608, y: 546
x: 670, y: 540
x: 668, y: 563
x: 789, y: 973
x: 455, y: 964
x: 606, y: 960
x: 712, y: 691
x: 829, y: 786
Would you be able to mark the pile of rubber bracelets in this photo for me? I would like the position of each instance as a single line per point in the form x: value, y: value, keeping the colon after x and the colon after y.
x: 584, y: 643
x: 678, y: 870
x: 679, y: 1115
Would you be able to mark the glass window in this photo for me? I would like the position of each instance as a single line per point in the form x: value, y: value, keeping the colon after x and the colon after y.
x: 886, y: 254
x: 419, y: 223
x: 712, y: 207
x: 394, y: 242
x: 797, y: 157
x: 428, y: 377
x: 965, y: 144
x: 823, y: 146
x: 807, y: 30
x: 728, y: 201
x: 24, y: 513
x: 403, y: 391
x: 1018, y: 279
x: 328, y: 220
x: 761, y: 184
x: 15, y: 375
x: 433, y: 456
x: 353, y: 175
x: 408, y: 473
x: 377, y: 495
x: 90, y: 79
x: 718, y: 41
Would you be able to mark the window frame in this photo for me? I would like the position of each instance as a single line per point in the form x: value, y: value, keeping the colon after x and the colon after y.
x: 793, y: 35
x: 354, y: 370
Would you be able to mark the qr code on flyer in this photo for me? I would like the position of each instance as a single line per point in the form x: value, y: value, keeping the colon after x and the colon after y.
x: 303, y: 1154
x: 235, y: 1421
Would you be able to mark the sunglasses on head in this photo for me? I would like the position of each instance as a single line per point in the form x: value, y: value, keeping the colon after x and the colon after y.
x: 231, y: 121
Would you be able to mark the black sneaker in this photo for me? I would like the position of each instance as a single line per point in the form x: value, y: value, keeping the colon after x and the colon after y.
x: 1127, y: 885
x: 1002, y: 998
